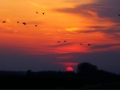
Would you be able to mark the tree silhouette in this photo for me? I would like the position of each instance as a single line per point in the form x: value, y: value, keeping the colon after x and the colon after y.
x: 86, y: 68
x: 28, y: 73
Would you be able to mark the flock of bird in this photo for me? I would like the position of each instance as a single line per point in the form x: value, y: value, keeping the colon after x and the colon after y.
x: 64, y: 41
x: 80, y: 43
x: 24, y: 23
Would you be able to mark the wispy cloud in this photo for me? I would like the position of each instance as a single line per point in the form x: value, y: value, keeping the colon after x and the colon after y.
x: 35, y: 4
x: 72, y: 29
x: 104, y: 46
x: 101, y: 8
x: 108, y: 32
x: 7, y: 30
x: 34, y: 22
x: 65, y: 57
x: 47, y: 33
x: 66, y: 64
x: 8, y: 20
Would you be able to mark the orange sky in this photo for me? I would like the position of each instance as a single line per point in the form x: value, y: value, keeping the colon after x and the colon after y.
x: 52, y: 27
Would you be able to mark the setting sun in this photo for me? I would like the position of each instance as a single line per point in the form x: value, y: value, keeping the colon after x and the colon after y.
x: 69, y: 69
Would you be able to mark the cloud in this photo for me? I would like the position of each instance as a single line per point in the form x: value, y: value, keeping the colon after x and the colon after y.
x: 7, y: 30
x: 8, y: 20
x: 78, y: 1
x: 111, y: 32
x: 34, y: 22
x: 71, y: 29
x: 102, y: 9
x: 104, y: 46
x: 64, y: 57
x: 35, y: 4
x: 47, y: 33
x: 97, y: 27
x: 67, y: 64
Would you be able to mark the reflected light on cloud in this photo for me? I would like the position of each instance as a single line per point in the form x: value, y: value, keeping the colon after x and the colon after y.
x: 71, y: 29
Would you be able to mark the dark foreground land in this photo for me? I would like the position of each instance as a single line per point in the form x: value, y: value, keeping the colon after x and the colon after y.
x: 57, y: 80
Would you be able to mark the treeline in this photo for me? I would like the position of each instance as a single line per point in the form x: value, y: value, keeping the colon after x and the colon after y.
x: 87, y: 76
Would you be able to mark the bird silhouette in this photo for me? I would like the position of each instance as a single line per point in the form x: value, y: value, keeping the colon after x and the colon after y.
x: 36, y: 25
x: 118, y: 14
x: 24, y: 23
x: 81, y: 44
x: 89, y: 44
x: 17, y: 21
x: 58, y: 41
x: 65, y: 41
x: 4, y: 22
x: 43, y: 13
x: 36, y: 12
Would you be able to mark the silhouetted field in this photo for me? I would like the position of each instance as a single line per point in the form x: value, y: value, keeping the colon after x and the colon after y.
x: 53, y: 80
x: 99, y: 79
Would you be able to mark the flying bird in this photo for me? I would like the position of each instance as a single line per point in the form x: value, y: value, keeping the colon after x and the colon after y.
x: 24, y: 23
x: 36, y: 25
x: 118, y: 14
x: 36, y: 12
x: 81, y: 44
x: 89, y: 44
x: 43, y: 13
x: 58, y: 41
x: 4, y: 22
x: 17, y: 21
x: 65, y: 41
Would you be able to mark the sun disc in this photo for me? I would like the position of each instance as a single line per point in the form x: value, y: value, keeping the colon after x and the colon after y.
x: 69, y: 69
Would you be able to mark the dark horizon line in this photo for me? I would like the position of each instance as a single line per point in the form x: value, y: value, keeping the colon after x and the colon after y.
x: 36, y: 71
x: 50, y: 71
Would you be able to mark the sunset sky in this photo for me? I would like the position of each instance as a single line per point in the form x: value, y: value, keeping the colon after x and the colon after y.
x: 24, y: 47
